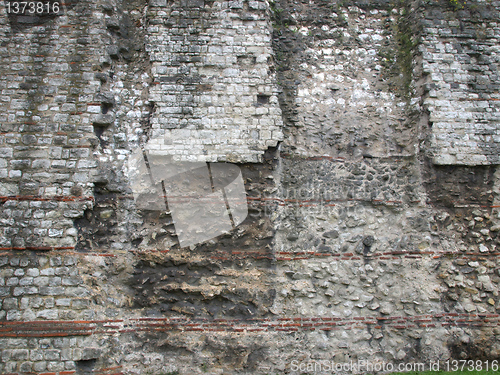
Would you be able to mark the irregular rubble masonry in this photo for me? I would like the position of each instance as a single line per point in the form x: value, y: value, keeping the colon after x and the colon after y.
x: 366, y: 134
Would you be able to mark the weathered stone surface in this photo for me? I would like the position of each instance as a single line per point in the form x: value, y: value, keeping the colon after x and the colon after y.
x: 366, y: 133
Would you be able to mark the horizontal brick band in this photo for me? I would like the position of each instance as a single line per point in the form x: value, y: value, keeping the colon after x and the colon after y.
x: 110, y: 371
x: 35, y: 198
x: 37, y: 248
x: 42, y: 328
x: 284, y: 324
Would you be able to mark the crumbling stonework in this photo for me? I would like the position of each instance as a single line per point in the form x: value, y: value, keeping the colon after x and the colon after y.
x: 214, y: 96
x: 366, y: 136
x: 459, y: 50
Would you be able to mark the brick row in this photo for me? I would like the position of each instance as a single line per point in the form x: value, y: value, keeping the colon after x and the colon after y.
x: 46, y: 328
x: 45, y: 199
x: 284, y: 324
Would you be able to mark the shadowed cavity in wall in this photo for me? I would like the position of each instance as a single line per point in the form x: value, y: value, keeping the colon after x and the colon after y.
x: 449, y: 185
x: 201, y: 287
x: 461, y: 193
x: 480, y: 350
x: 85, y: 367
x: 100, y: 226
x: 228, y: 276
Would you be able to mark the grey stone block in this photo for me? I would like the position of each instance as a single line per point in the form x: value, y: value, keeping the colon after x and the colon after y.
x: 19, y: 354
x: 91, y: 353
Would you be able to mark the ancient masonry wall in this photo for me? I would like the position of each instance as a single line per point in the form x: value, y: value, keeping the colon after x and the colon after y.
x: 214, y: 96
x: 460, y: 56
x: 366, y: 134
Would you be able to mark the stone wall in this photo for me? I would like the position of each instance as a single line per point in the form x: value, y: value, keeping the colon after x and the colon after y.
x: 459, y: 50
x: 214, y: 96
x: 365, y: 136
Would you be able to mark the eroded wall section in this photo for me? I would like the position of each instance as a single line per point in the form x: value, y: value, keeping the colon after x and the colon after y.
x: 365, y: 136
